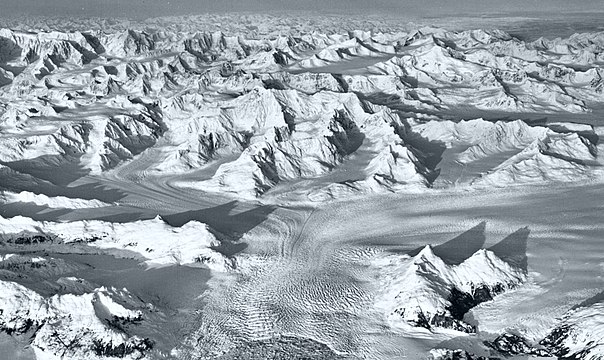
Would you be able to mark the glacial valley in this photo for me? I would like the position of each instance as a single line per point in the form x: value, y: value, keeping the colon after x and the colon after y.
x: 252, y: 187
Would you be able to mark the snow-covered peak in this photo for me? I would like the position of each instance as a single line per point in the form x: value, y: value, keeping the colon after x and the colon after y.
x: 424, y: 291
x: 427, y: 262
x: 486, y: 269
x: 75, y: 326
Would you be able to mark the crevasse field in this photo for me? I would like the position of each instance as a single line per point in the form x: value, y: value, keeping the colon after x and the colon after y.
x: 248, y: 186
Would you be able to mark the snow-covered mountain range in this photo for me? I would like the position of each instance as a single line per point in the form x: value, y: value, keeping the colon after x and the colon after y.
x: 158, y: 243
x: 73, y: 326
x: 182, y: 188
x: 271, y: 110
x: 424, y: 291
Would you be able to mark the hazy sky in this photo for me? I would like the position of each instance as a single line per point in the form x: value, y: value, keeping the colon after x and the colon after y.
x: 152, y: 8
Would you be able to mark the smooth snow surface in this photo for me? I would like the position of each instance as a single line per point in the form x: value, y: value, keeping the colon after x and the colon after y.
x: 246, y: 186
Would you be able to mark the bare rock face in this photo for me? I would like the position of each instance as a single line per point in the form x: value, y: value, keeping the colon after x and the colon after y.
x: 510, y: 345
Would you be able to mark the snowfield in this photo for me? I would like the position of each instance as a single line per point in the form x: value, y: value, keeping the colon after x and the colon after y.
x: 247, y: 186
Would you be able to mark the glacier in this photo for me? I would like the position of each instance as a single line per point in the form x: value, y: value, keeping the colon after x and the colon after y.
x: 245, y: 185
